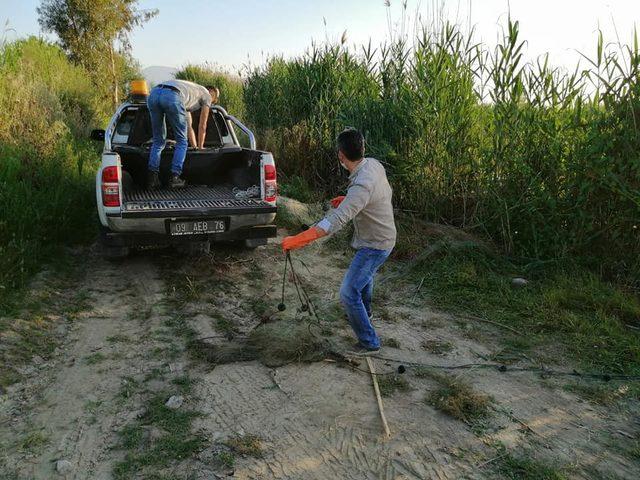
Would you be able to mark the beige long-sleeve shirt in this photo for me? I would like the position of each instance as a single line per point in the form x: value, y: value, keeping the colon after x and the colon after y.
x: 368, y: 204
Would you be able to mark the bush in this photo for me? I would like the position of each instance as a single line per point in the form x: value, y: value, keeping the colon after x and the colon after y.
x: 47, y: 105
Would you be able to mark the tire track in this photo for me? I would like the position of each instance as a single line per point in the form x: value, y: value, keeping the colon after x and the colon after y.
x: 75, y: 404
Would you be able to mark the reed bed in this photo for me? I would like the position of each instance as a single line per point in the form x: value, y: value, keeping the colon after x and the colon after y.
x: 543, y: 161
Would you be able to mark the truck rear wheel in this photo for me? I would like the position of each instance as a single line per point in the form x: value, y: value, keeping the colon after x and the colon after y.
x: 115, y: 253
x: 110, y: 251
x: 252, y: 243
x: 193, y: 249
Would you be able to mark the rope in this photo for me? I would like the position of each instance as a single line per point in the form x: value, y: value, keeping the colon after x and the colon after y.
x: 306, y: 304
x: 284, y: 280
x: 504, y: 369
x: 305, y: 301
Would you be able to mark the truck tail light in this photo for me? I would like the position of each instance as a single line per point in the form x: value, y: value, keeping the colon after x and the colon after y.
x: 270, y: 183
x: 110, y: 187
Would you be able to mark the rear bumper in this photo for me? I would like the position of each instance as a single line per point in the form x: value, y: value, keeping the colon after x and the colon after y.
x: 138, y: 239
x: 199, y: 212
x: 157, y: 223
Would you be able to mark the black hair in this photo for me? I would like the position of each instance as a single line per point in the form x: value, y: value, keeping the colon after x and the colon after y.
x: 210, y: 87
x: 351, y: 144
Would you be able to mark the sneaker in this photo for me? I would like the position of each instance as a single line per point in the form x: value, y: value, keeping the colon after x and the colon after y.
x: 153, y: 181
x: 176, y: 181
x: 362, y: 351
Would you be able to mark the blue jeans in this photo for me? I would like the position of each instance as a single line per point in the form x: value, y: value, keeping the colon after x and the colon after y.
x: 357, y: 290
x: 164, y: 102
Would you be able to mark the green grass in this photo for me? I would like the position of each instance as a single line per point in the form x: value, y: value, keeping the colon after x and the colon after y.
x: 92, y: 406
x: 129, y: 387
x: 145, y: 455
x: 299, y: 189
x: 563, y: 305
x: 142, y: 455
x: 524, y: 467
x: 604, y: 393
x: 95, y: 358
x: 33, y: 441
x: 226, y: 459
x: 224, y: 325
x: 261, y: 308
x: 119, y: 339
x: 184, y: 384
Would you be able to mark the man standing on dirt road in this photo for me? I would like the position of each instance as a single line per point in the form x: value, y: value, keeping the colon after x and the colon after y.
x: 175, y: 100
x: 368, y: 204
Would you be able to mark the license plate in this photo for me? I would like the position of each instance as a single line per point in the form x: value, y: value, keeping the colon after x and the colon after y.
x: 199, y: 227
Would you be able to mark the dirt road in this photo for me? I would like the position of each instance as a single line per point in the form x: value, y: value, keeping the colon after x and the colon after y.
x: 94, y: 408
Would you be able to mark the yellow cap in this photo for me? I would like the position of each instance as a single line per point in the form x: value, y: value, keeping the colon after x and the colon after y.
x: 139, y: 87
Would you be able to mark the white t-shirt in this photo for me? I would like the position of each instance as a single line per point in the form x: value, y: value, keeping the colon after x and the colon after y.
x: 194, y: 96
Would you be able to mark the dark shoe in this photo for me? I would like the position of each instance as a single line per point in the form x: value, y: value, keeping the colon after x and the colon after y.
x: 153, y: 181
x: 362, y: 351
x: 176, y: 182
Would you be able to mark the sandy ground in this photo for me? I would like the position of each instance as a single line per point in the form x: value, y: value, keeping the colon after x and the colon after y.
x: 315, y: 421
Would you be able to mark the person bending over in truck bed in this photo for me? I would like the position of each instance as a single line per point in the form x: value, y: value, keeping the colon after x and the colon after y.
x: 368, y: 204
x: 173, y: 100
x: 215, y: 95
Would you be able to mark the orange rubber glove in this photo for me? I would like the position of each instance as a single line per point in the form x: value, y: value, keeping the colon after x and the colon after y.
x: 302, y: 239
x: 335, y: 202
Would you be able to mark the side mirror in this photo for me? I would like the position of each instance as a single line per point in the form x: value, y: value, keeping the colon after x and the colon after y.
x: 97, y: 135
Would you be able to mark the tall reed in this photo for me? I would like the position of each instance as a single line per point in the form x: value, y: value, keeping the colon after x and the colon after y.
x: 545, y: 162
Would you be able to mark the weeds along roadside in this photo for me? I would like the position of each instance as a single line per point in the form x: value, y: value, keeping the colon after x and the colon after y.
x: 566, y: 310
x: 543, y: 162
x: 571, y: 316
x: 47, y: 106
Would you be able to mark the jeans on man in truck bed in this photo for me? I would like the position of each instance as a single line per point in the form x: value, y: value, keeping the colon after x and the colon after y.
x: 166, y: 103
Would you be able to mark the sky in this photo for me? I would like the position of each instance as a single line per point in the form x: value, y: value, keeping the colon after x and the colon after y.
x: 234, y: 33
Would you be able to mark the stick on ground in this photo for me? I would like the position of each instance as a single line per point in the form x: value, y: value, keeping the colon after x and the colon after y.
x: 376, y: 388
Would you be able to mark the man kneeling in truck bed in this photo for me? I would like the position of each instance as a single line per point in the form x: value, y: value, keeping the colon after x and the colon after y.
x: 175, y: 100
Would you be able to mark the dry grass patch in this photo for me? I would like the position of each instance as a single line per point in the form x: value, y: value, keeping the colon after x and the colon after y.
x: 246, y: 445
x: 288, y: 341
x: 458, y: 399
x: 274, y: 344
x: 390, y: 384
x: 438, y: 347
x: 391, y: 342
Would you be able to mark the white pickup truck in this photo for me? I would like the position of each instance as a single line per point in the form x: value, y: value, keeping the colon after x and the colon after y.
x: 230, y: 194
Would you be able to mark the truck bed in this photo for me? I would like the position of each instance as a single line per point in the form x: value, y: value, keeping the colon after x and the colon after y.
x: 190, y: 201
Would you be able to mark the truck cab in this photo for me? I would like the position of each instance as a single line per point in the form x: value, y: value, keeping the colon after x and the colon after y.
x: 230, y: 193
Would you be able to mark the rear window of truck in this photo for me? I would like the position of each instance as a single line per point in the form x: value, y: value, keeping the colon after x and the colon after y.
x: 134, y: 128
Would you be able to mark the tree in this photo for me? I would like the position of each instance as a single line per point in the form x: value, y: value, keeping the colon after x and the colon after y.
x: 94, y: 33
